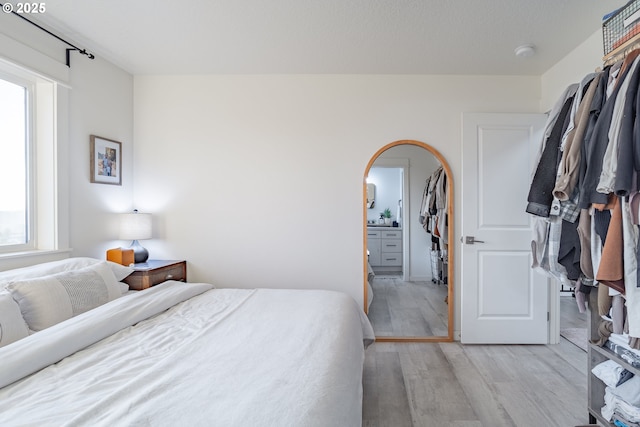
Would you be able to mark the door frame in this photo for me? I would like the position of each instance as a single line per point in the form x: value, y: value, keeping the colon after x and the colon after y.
x: 450, y: 236
x: 404, y: 165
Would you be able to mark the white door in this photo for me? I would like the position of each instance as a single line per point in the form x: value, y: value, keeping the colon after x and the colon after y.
x: 502, y: 299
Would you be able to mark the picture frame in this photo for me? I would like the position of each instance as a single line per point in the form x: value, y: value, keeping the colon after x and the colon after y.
x: 105, y: 160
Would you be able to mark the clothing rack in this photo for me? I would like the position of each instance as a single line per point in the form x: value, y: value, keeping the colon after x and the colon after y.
x: 592, y: 105
x: 589, y: 127
x: 597, y: 353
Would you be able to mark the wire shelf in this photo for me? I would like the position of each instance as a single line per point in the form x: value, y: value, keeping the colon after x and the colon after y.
x: 621, y: 27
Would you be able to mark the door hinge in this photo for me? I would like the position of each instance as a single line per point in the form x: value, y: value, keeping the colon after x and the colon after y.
x: 548, y: 316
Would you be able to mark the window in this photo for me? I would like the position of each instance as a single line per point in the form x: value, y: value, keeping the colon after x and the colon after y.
x: 29, y: 166
x: 16, y: 207
x: 34, y: 154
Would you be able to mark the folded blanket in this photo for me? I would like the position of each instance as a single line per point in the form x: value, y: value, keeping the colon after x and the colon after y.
x: 611, y: 373
x: 614, y: 404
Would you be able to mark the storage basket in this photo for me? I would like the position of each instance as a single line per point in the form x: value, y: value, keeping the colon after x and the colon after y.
x: 621, y: 26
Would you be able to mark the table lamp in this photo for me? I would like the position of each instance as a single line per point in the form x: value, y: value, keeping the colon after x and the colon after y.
x: 136, y: 226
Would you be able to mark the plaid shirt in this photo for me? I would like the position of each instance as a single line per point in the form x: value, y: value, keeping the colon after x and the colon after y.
x: 556, y: 269
x: 568, y: 209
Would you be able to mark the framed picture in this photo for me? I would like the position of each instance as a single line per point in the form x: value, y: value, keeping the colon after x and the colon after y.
x: 106, y: 161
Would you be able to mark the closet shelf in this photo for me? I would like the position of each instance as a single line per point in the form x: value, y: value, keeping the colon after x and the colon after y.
x: 611, y: 355
x: 620, y: 29
x: 595, y: 356
x: 599, y: 418
x: 622, y: 51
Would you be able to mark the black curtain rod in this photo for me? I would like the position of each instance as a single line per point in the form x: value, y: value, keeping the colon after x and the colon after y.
x: 73, y: 47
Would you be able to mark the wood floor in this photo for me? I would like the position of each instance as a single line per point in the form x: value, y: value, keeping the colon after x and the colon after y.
x: 570, y: 316
x: 450, y: 384
x: 402, y: 308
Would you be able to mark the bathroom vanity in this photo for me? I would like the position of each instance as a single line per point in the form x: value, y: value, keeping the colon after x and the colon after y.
x: 385, y: 248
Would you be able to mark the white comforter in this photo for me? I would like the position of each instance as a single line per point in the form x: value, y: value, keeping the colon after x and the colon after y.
x: 227, y: 357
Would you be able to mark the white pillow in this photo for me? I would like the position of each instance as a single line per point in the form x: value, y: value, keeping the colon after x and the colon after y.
x: 48, y: 300
x: 68, y: 264
x: 12, y: 325
x: 120, y: 271
x: 124, y: 288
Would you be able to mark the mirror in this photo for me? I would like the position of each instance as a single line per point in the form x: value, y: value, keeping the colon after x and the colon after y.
x: 408, y: 266
x: 371, y: 196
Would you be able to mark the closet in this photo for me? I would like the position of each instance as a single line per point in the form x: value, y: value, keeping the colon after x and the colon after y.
x: 585, y: 201
x: 433, y: 219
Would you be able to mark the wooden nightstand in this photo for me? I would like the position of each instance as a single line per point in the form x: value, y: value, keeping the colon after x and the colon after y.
x: 156, y: 271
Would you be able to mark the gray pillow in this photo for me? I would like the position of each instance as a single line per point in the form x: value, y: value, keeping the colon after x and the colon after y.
x: 45, y: 301
x: 12, y: 325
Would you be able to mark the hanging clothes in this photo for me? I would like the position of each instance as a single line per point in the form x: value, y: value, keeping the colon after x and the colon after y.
x: 433, y: 214
x: 584, y: 197
x: 570, y: 163
x: 541, y: 191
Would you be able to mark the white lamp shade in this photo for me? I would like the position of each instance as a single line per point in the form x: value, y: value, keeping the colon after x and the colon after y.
x: 135, y: 226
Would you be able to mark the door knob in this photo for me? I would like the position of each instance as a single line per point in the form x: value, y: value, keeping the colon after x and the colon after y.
x: 470, y: 240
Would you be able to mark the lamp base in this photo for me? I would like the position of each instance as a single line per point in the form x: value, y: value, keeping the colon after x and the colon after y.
x: 140, y: 254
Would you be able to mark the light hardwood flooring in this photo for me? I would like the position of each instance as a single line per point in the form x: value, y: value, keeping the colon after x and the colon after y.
x: 450, y: 384
x: 570, y: 316
x: 402, y: 308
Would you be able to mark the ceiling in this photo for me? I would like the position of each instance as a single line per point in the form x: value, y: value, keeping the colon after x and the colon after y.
x: 327, y: 36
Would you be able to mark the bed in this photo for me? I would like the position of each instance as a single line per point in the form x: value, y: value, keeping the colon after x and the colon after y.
x: 177, y: 353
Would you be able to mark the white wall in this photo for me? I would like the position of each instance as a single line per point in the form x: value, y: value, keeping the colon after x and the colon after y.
x: 98, y: 100
x: 101, y: 103
x: 258, y: 180
x: 255, y: 180
x: 571, y: 69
